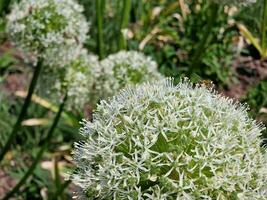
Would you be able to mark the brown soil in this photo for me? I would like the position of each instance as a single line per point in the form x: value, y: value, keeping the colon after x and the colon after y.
x: 6, y: 182
x: 249, y: 72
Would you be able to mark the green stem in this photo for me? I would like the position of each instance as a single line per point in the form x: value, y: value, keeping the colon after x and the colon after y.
x: 56, y: 173
x: 124, y: 23
x: 201, y: 48
x: 100, y: 6
x: 60, y: 190
x: 4, y: 7
x: 40, y: 153
x: 263, y: 27
x: 24, y: 109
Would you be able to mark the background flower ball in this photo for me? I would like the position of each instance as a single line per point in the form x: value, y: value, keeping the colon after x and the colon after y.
x: 78, y: 77
x: 160, y: 141
x: 124, y: 68
x: 47, y: 28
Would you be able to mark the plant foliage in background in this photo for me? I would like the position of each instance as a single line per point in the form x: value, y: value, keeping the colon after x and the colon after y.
x: 255, y: 17
x: 257, y: 101
x: 174, y: 33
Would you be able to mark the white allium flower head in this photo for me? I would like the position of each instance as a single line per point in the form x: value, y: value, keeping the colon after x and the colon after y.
x: 81, y: 79
x: 78, y: 77
x: 159, y: 141
x: 46, y: 28
x: 122, y: 69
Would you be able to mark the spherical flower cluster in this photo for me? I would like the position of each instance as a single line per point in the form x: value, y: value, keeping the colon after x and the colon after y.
x: 124, y: 68
x: 78, y: 77
x: 45, y: 28
x: 159, y: 141
x: 235, y: 2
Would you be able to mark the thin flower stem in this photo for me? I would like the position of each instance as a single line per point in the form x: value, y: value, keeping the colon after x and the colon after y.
x: 263, y: 27
x: 100, y: 6
x: 124, y: 23
x: 24, y: 109
x: 201, y: 48
x: 40, y: 153
x: 60, y: 190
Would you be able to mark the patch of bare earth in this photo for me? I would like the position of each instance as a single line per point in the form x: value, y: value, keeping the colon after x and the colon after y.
x: 249, y: 72
x: 6, y: 182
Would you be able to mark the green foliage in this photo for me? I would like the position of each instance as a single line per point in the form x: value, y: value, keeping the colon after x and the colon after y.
x: 255, y: 29
x: 257, y: 97
x: 170, y: 34
x: 28, y: 142
x: 111, y: 24
x: 250, y: 16
x: 175, y: 35
x: 6, y: 61
x: 257, y: 101
x: 5, y: 122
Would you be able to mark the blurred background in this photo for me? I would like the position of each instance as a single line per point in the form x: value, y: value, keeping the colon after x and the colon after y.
x: 209, y: 43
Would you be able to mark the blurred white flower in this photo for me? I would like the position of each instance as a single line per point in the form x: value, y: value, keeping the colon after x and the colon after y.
x: 50, y: 29
x: 122, y: 69
x: 78, y: 77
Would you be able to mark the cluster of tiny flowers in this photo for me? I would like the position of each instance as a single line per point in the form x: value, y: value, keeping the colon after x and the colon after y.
x: 78, y: 77
x: 235, y: 2
x: 45, y: 28
x: 90, y: 81
x: 159, y: 141
x: 81, y: 79
x: 122, y: 69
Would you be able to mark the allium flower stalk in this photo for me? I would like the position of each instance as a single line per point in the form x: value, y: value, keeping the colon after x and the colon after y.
x: 50, y: 29
x: 122, y: 69
x: 159, y: 141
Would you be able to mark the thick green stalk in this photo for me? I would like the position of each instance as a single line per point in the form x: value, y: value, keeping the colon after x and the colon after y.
x: 263, y: 27
x: 201, y: 48
x: 100, y: 6
x: 40, y: 153
x: 124, y: 23
x: 4, y: 7
x: 24, y: 109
